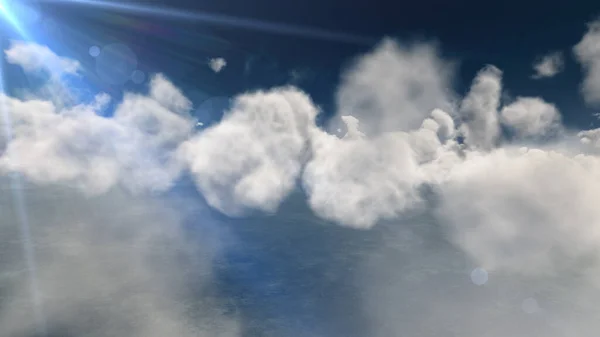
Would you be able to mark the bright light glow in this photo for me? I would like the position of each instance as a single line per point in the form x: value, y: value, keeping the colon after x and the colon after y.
x: 10, y: 17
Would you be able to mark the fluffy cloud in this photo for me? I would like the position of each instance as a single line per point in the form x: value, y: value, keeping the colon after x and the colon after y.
x: 588, y: 54
x: 357, y: 181
x: 445, y: 123
x: 529, y: 117
x: 76, y: 146
x: 591, y: 137
x: 522, y: 214
x: 34, y: 57
x: 479, y: 109
x: 217, y: 64
x: 251, y: 159
x: 394, y: 87
x: 522, y: 210
x: 170, y: 97
x: 549, y: 65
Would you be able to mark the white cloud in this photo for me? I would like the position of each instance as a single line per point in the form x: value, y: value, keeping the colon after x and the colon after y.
x: 78, y: 147
x: 549, y: 65
x: 523, y: 210
x: 217, y: 64
x: 524, y: 214
x: 591, y: 137
x: 529, y: 117
x: 587, y: 52
x: 394, y: 87
x: 252, y: 158
x: 357, y: 181
x: 34, y: 57
x: 479, y: 109
x: 165, y: 93
x: 445, y: 122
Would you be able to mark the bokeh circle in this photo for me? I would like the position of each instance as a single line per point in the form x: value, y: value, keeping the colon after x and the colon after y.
x: 94, y: 51
x: 138, y: 77
x: 479, y: 276
x: 115, y: 64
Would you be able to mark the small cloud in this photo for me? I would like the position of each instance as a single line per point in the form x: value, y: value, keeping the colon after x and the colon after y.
x: 296, y: 75
x: 169, y: 96
x: 586, y: 53
x: 217, y: 64
x: 531, y: 116
x: 300, y: 75
x: 34, y: 57
x: 549, y: 65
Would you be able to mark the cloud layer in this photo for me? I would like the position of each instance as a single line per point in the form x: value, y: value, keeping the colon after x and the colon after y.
x: 107, y: 265
x: 413, y: 150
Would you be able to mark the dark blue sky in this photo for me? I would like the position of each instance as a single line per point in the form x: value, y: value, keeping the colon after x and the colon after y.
x: 508, y: 34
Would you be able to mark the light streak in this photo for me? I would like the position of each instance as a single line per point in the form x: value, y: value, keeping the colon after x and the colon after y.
x: 224, y: 21
x: 17, y: 188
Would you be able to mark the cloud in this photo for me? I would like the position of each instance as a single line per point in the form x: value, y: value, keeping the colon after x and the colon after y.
x: 78, y: 147
x: 479, y: 109
x: 165, y: 93
x: 251, y: 159
x: 590, y: 137
x: 217, y: 64
x: 357, y: 181
x: 522, y: 210
x: 33, y: 57
x: 445, y: 123
x: 108, y: 265
x: 588, y: 55
x: 441, y: 188
x: 300, y: 75
x: 530, y: 117
x: 394, y: 87
x: 548, y: 65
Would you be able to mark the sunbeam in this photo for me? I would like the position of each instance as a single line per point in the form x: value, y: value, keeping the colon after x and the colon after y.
x: 8, y: 10
x: 21, y: 211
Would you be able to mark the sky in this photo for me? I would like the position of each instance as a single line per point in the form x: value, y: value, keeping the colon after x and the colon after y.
x: 322, y: 168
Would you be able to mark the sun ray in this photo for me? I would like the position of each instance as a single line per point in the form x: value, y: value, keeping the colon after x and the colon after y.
x: 17, y: 185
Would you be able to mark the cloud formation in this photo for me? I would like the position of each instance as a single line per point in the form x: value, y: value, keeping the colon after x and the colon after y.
x: 78, y: 147
x: 107, y: 265
x: 395, y: 87
x: 530, y: 117
x: 251, y: 159
x: 34, y: 57
x: 588, y: 55
x: 479, y: 109
x: 217, y: 64
x: 548, y: 65
x: 413, y: 150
